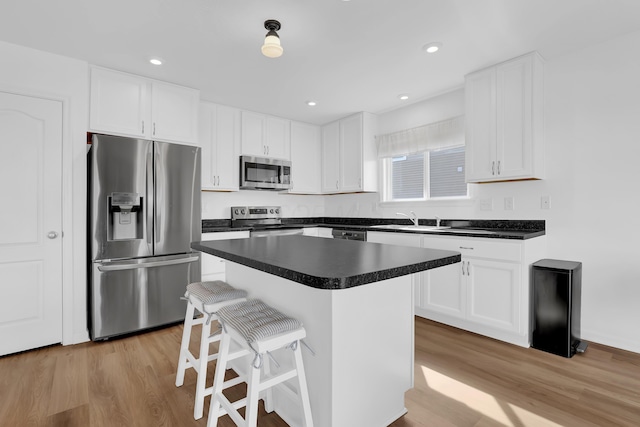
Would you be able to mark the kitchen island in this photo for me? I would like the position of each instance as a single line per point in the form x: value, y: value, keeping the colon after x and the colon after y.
x: 355, y: 300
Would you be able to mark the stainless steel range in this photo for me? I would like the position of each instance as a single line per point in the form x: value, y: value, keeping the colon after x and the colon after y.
x: 265, y: 221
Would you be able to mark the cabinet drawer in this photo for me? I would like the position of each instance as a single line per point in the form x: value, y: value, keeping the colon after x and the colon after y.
x: 477, y: 247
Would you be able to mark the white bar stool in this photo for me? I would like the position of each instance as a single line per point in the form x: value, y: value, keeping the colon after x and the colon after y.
x: 257, y: 329
x: 207, y: 298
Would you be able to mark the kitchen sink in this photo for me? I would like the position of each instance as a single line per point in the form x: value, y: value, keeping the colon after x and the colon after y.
x: 411, y: 227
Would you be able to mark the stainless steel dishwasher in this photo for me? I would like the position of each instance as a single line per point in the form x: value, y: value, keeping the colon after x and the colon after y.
x: 349, y: 234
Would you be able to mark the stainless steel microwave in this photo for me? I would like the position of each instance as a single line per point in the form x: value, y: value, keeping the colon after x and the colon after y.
x: 261, y: 173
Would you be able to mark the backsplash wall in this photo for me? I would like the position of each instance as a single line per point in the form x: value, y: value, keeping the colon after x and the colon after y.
x: 216, y: 205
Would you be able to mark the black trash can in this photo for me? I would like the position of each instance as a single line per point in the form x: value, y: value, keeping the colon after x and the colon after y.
x: 555, y: 311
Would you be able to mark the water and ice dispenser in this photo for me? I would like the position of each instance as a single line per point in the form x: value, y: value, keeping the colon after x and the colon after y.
x: 125, y: 216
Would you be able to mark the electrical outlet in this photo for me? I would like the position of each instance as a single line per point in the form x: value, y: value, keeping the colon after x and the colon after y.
x: 508, y: 203
x: 544, y: 202
x: 486, y: 204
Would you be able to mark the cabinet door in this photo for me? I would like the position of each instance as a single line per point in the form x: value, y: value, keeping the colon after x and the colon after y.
x: 226, y: 141
x: 402, y: 239
x: 514, y: 118
x: 305, y: 152
x: 252, y: 134
x: 493, y: 294
x: 278, y: 138
x: 331, y: 157
x: 443, y: 290
x: 480, y: 124
x: 205, y: 141
x: 119, y: 104
x: 174, y: 111
x: 351, y: 153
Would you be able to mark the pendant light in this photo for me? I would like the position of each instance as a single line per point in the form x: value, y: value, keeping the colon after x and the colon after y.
x: 271, y: 47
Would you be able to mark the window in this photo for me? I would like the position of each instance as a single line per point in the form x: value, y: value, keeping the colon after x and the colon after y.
x: 433, y: 174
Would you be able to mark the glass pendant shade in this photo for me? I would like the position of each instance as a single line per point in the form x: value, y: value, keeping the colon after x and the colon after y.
x: 271, y: 47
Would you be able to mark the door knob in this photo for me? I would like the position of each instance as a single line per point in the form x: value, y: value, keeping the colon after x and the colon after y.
x: 52, y: 235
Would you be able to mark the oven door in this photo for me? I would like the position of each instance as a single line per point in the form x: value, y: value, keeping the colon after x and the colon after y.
x: 258, y: 173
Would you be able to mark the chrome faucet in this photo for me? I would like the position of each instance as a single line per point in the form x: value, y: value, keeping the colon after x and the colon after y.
x: 438, y: 221
x: 413, y: 217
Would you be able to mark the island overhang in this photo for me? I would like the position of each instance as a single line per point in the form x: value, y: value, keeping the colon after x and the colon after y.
x: 327, y: 263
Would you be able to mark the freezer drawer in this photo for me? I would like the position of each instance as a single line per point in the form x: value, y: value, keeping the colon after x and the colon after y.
x: 128, y: 296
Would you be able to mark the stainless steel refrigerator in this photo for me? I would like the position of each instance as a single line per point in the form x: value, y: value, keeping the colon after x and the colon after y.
x: 144, y: 212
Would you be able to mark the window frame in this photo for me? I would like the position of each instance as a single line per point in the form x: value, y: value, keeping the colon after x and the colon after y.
x: 386, y: 186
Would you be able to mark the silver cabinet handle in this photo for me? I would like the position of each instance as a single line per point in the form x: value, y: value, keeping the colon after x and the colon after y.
x: 463, y: 268
x: 498, y: 167
x: 154, y: 128
x: 143, y: 126
x: 466, y: 247
x: 337, y: 185
x: 493, y: 168
x: 468, y: 272
x: 52, y: 234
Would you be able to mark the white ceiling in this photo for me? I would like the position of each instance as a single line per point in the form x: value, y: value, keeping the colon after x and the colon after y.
x: 349, y: 56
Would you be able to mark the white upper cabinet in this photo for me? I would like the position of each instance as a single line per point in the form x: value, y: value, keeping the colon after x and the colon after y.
x: 129, y: 105
x: 174, y: 112
x: 305, y: 158
x: 265, y: 136
x: 219, y: 138
x: 120, y: 103
x: 349, y: 155
x: 504, y: 121
x: 331, y: 158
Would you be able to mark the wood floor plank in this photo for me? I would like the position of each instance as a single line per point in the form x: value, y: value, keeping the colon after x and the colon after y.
x: 69, y: 388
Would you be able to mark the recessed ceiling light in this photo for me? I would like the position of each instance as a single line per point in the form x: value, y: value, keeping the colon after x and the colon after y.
x: 432, y: 47
x: 311, y: 103
x: 403, y: 97
x: 155, y: 61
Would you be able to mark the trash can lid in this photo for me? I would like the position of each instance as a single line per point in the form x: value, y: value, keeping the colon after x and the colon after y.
x: 556, y: 264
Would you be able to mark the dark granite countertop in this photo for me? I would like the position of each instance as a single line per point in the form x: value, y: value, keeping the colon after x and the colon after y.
x: 327, y: 263
x: 494, y: 229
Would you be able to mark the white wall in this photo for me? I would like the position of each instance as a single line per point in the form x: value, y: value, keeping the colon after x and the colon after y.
x: 35, y: 73
x: 592, y: 134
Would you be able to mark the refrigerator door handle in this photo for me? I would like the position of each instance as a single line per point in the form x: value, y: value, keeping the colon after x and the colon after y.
x: 159, y: 195
x: 134, y: 266
x: 150, y: 199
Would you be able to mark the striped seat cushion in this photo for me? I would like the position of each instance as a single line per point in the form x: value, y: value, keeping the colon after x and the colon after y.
x: 214, y: 291
x: 255, y: 320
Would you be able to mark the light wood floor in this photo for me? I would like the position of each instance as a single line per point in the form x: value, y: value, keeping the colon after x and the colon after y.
x: 461, y: 379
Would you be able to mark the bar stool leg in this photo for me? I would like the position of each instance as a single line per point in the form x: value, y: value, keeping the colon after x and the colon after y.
x: 253, y: 389
x: 203, y: 359
x: 218, y: 380
x: 302, y: 387
x: 184, y: 346
x: 268, y: 398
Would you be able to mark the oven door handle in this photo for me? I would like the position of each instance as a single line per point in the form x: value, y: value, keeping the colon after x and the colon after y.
x: 284, y: 232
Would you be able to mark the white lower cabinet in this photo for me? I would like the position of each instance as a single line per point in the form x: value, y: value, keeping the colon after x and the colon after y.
x: 317, y: 232
x: 487, y: 293
x: 213, y: 268
x: 443, y: 290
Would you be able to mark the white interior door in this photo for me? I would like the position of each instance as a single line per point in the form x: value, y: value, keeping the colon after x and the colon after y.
x: 30, y: 222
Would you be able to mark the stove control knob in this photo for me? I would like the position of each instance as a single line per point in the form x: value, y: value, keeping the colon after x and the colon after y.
x: 236, y: 211
x: 242, y: 211
x: 271, y: 211
x: 277, y: 211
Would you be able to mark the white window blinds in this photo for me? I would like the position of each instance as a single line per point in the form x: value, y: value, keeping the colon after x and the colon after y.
x: 434, y: 136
